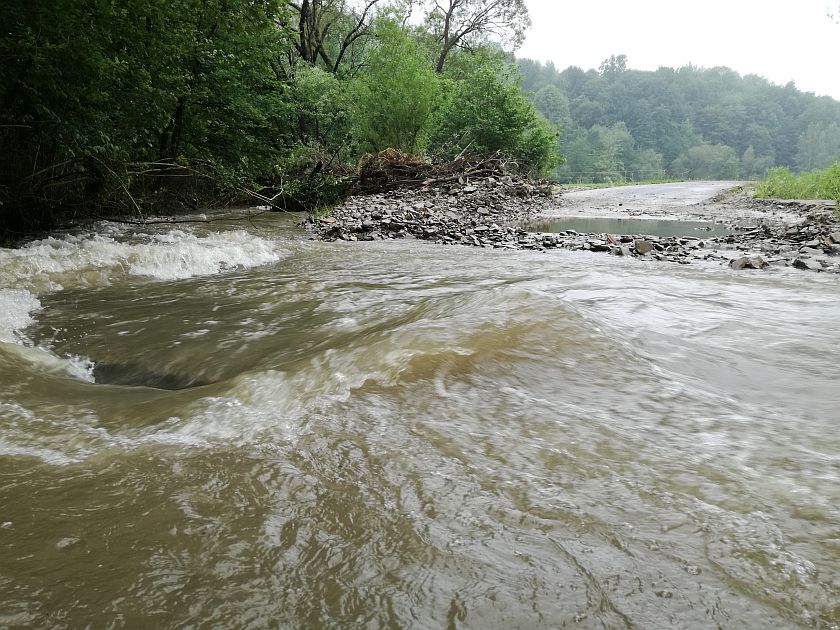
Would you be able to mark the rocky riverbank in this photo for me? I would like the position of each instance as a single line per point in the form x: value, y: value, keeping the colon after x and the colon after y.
x: 494, y: 212
x: 481, y: 213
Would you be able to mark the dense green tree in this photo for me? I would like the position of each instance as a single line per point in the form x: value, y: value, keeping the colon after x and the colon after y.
x: 670, y: 111
x: 553, y: 105
x: 614, y: 148
x: 536, y: 76
x: 677, y: 138
x: 396, y: 94
x: 112, y: 104
x: 587, y: 112
x: 89, y: 88
x: 752, y: 166
x: 332, y: 34
x: 575, y: 80
x: 486, y: 111
x: 646, y: 165
x: 608, y: 154
x: 616, y: 64
x: 708, y: 161
x: 323, y: 116
x: 819, y: 146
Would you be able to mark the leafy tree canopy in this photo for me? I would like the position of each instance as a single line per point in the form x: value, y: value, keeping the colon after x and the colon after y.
x: 110, y: 105
x: 684, y: 115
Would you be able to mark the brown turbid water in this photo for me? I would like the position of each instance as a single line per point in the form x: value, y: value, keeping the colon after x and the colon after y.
x: 231, y: 426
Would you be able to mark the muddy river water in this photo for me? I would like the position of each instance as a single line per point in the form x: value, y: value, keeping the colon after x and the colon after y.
x: 232, y: 426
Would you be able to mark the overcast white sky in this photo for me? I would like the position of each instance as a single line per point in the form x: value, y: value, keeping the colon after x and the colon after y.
x: 781, y: 40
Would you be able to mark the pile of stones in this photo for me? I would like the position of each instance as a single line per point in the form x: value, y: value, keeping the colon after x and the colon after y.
x: 494, y: 212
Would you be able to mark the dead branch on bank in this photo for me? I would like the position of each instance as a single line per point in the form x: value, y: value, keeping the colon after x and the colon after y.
x: 393, y: 170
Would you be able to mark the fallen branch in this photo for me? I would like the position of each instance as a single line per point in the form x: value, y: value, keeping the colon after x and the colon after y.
x: 392, y: 169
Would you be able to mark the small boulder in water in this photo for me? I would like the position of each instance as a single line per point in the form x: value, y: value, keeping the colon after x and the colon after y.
x: 642, y: 247
x: 808, y: 264
x: 748, y: 262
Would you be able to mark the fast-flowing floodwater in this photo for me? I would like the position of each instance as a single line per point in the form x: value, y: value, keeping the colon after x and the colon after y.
x: 231, y: 426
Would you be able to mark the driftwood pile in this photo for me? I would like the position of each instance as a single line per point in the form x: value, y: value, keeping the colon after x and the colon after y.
x: 479, y: 202
x: 391, y: 170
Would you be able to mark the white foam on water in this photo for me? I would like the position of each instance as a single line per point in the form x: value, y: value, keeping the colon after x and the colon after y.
x: 177, y: 255
x: 16, y: 309
x: 58, y: 441
x: 76, y: 435
x: 96, y: 260
x: 46, y: 455
x: 265, y: 406
x: 44, y: 360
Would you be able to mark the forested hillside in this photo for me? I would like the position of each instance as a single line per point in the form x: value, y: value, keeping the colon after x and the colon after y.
x: 621, y: 124
x: 122, y: 107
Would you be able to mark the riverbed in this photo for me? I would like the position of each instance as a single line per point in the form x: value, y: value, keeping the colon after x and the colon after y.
x: 234, y: 426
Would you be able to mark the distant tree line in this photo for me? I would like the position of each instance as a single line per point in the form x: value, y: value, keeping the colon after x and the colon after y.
x: 683, y: 123
x: 113, y: 106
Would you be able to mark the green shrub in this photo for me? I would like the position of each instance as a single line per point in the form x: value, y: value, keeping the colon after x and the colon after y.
x: 395, y: 94
x: 485, y: 111
x: 830, y: 182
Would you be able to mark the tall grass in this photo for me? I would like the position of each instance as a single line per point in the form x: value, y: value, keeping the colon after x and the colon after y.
x: 781, y: 183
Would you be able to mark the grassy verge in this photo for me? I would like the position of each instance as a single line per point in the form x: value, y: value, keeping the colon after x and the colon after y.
x: 781, y: 183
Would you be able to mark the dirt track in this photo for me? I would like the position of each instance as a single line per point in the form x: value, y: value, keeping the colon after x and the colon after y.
x: 715, y: 201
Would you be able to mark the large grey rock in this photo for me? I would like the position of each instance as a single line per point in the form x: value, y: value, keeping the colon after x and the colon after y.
x: 643, y: 247
x: 808, y: 264
x: 597, y: 246
x: 748, y: 262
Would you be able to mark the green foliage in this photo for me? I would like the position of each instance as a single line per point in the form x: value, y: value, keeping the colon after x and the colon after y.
x: 472, y: 24
x: 670, y: 111
x: 323, y: 120
x: 109, y: 105
x: 752, y: 166
x: 314, y: 194
x: 396, y: 94
x: 616, y: 64
x: 553, y: 105
x: 646, y: 165
x: 608, y: 154
x: 819, y: 146
x: 708, y: 161
x: 781, y: 183
x: 95, y: 86
x: 486, y: 111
